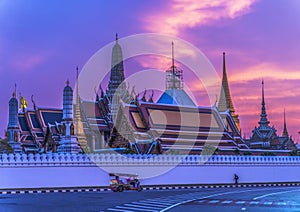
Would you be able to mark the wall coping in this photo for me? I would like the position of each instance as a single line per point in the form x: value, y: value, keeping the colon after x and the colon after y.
x: 66, y: 159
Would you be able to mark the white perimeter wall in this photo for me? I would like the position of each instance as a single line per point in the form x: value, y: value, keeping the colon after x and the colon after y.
x: 64, y: 170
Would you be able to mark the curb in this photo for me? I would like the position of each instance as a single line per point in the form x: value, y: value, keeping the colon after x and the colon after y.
x: 222, y: 186
x: 146, y: 187
x: 42, y: 191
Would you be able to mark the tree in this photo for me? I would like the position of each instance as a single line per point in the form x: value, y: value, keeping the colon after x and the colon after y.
x: 209, y: 149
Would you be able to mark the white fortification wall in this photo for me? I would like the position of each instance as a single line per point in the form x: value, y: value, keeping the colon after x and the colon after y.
x: 67, y: 170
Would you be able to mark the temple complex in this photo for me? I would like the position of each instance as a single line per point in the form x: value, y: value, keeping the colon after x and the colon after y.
x: 128, y: 123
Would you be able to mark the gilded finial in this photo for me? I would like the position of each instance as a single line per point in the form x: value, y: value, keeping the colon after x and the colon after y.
x: 128, y: 86
x: 117, y: 38
x: 15, y: 91
x: 133, y: 93
x: 173, y: 57
x: 101, y: 90
x: 68, y: 82
x: 151, y: 97
x: 97, y: 96
x: 33, y: 102
x: 144, y: 96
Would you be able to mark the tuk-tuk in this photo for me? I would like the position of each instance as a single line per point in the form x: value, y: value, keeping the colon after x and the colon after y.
x: 120, y: 182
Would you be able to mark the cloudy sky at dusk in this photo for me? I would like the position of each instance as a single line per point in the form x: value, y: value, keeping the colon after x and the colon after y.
x: 41, y: 42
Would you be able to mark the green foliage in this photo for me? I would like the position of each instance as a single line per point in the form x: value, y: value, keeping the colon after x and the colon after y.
x: 173, y: 152
x: 209, y: 149
x: 237, y: 151
x: 294, y: 153
x: 247, y: 153
x: 5, y: 147
x: 268, y: 154
x: 129, y: 151
x: 86, y: 150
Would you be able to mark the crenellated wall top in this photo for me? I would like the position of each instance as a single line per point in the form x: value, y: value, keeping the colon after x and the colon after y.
x: 65, y: 159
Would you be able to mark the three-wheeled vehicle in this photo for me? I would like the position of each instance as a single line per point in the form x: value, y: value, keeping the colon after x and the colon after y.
x: 120, y: 182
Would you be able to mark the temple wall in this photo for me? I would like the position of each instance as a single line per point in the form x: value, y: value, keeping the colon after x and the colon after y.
x: 71, y: 170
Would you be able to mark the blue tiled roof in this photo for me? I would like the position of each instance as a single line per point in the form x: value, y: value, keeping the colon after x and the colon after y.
x: 176, y: 97
x: 51, y: 117
x: 34, y: 121
x: 23, y: 124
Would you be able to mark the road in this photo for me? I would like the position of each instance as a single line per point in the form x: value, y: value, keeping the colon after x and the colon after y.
x: 218, y: 199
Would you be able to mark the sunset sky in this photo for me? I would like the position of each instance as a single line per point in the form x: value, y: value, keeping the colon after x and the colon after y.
x: 41, y: 42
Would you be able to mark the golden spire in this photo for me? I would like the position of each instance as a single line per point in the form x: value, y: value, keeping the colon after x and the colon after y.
x: 225, y: 101
x: 78, y: 121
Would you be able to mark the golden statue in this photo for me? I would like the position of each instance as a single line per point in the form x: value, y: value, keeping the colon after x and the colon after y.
x: 7, y: 135
x: 72, y: 129
x: 16, y: 136
x: 23, y: 103
x: 63, y: 129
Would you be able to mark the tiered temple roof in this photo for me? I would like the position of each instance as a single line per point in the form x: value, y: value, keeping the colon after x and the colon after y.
x: 265, y: 137
x: 184, y: 128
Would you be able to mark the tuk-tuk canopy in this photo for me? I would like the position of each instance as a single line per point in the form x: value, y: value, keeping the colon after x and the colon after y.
x: 123, y: 175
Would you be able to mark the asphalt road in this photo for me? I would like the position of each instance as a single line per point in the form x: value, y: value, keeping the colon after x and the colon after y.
x: 221, y: 199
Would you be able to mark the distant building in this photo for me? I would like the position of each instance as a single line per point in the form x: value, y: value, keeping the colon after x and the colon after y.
x: 265, y: 137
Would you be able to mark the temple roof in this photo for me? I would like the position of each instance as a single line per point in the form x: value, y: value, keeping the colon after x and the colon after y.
x: 178, y: 126
x: 176, y: 97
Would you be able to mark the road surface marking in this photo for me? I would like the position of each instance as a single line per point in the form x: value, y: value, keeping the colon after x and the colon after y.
x: 281, y: 203
x: 240, y: 202
x: 254, y: 202
x: 274, y: 193
x: 214, y: 201
x: 154, y: 202
x: 268, y: 203
x: 114, y: 209
x: 156, y: 205
x: 140, y: 206
x: 136, y: 209
x: 227, y: 201
x: 209, y: 196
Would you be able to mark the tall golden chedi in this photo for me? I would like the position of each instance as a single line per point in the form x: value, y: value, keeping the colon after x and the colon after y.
x: 225, y: 102
x: 79, y: 131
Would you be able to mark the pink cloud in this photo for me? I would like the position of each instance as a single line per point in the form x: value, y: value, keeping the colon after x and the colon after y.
x: 27, y: 62
x: 263, y: 71
x: 191, y: 13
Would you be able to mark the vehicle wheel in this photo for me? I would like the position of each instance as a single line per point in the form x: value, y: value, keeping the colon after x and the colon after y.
x: 121, y: 188
x: 140, y: 189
